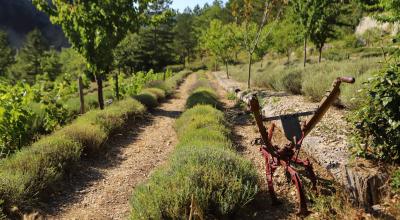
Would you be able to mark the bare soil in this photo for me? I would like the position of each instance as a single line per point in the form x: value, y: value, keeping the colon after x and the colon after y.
x: 102, y: 187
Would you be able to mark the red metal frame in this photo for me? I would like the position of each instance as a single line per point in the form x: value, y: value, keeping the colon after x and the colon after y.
x: 288, y: 155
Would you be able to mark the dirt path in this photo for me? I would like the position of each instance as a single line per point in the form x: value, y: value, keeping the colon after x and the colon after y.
x: 103, y: 187
x: 244, y: 132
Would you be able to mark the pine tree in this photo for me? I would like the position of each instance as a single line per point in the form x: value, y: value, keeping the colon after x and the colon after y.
x: 6, y: 55
x: 29, y: 57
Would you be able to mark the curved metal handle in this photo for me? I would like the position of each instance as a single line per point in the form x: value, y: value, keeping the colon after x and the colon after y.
x: 346, y: 79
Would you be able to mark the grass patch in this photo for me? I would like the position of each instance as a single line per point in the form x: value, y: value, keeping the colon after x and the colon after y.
x: 312, y: 81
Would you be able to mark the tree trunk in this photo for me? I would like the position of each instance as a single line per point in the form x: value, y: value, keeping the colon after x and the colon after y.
x: 81, y: 96
x: 164, y: 75
x: 320, y: 53
x: 227, y: 72
x: 249, y: 77
x: 305, y: 51
x: 116, y: 85
x: 99, y: 81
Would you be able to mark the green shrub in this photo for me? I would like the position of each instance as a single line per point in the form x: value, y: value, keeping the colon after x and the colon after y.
x: 219, y: 181
x: 336, y: 55
x: 203, y: 168
x: 114, y: 117
x: 377, y: 121
x: 177, y: 79
x: 24, y: 175
x: 32, y: 171
x: 395, y: 181
x: 148, y: 99
x: 160, y: 85
x: 160, y: 94
x: 292, y: 82
x: 90, y: 135
x: 203, y: 96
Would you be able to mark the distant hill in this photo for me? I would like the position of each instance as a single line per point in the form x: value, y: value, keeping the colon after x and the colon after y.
x: 18, y: 17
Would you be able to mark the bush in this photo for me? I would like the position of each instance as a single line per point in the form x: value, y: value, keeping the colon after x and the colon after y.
x: 203, y: 96
x: 90, y: 135
x: 26, y: 174
x: 148, y: 99
x: 203, y: 170
x: 160, y: 85
x: 173, y: 82
x: 160, y: 94
x: 32, y: 171
x: 395, y: 181
x: 292, y: 82
x: 377, y: 121
x: 220, y: 182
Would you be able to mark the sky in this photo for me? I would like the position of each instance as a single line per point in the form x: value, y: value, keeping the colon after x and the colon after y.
x: 182, y: 4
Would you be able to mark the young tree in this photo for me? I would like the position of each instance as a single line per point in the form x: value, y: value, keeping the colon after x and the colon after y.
x: 307, y: 14
x: 252, y: 32
x: 325, y: 24
x: 29, y: 57
x: 6, y: 55
x: 218, y: 39
x: 286, y: 38
x: 94, y: 28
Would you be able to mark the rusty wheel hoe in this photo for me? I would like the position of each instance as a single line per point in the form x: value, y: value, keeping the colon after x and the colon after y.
x: 288, y: 155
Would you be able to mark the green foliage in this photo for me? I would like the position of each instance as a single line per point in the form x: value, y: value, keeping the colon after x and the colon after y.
x: 202, y: 171
x: 7, y: 54
x: 51, y: 64
x: 372, y: 36
x: 377, y: 121
x: 148, y: 99
x: 292, y: 82
x: 287, y: 37
x: 395, y: 181
x: 28, y: 61
x: 185, y: 38
x: 15, y: 117
x: 159, y: 93
x: 160, y: 84
x: 27, y: 173
x: 219, y: 39
x: 94, y: 28
x: 326, y: 22
x: 35, y: 170
x: 203, y: 96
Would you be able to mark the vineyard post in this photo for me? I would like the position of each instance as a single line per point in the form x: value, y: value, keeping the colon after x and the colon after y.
x: 164, y: 75
x: 81, y: 95
x: 116, y: 86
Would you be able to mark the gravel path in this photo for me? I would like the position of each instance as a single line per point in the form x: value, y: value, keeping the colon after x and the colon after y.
x: 103, y: 187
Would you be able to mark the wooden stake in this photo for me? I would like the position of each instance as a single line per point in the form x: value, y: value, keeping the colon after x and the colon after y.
x: 81, y: 95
